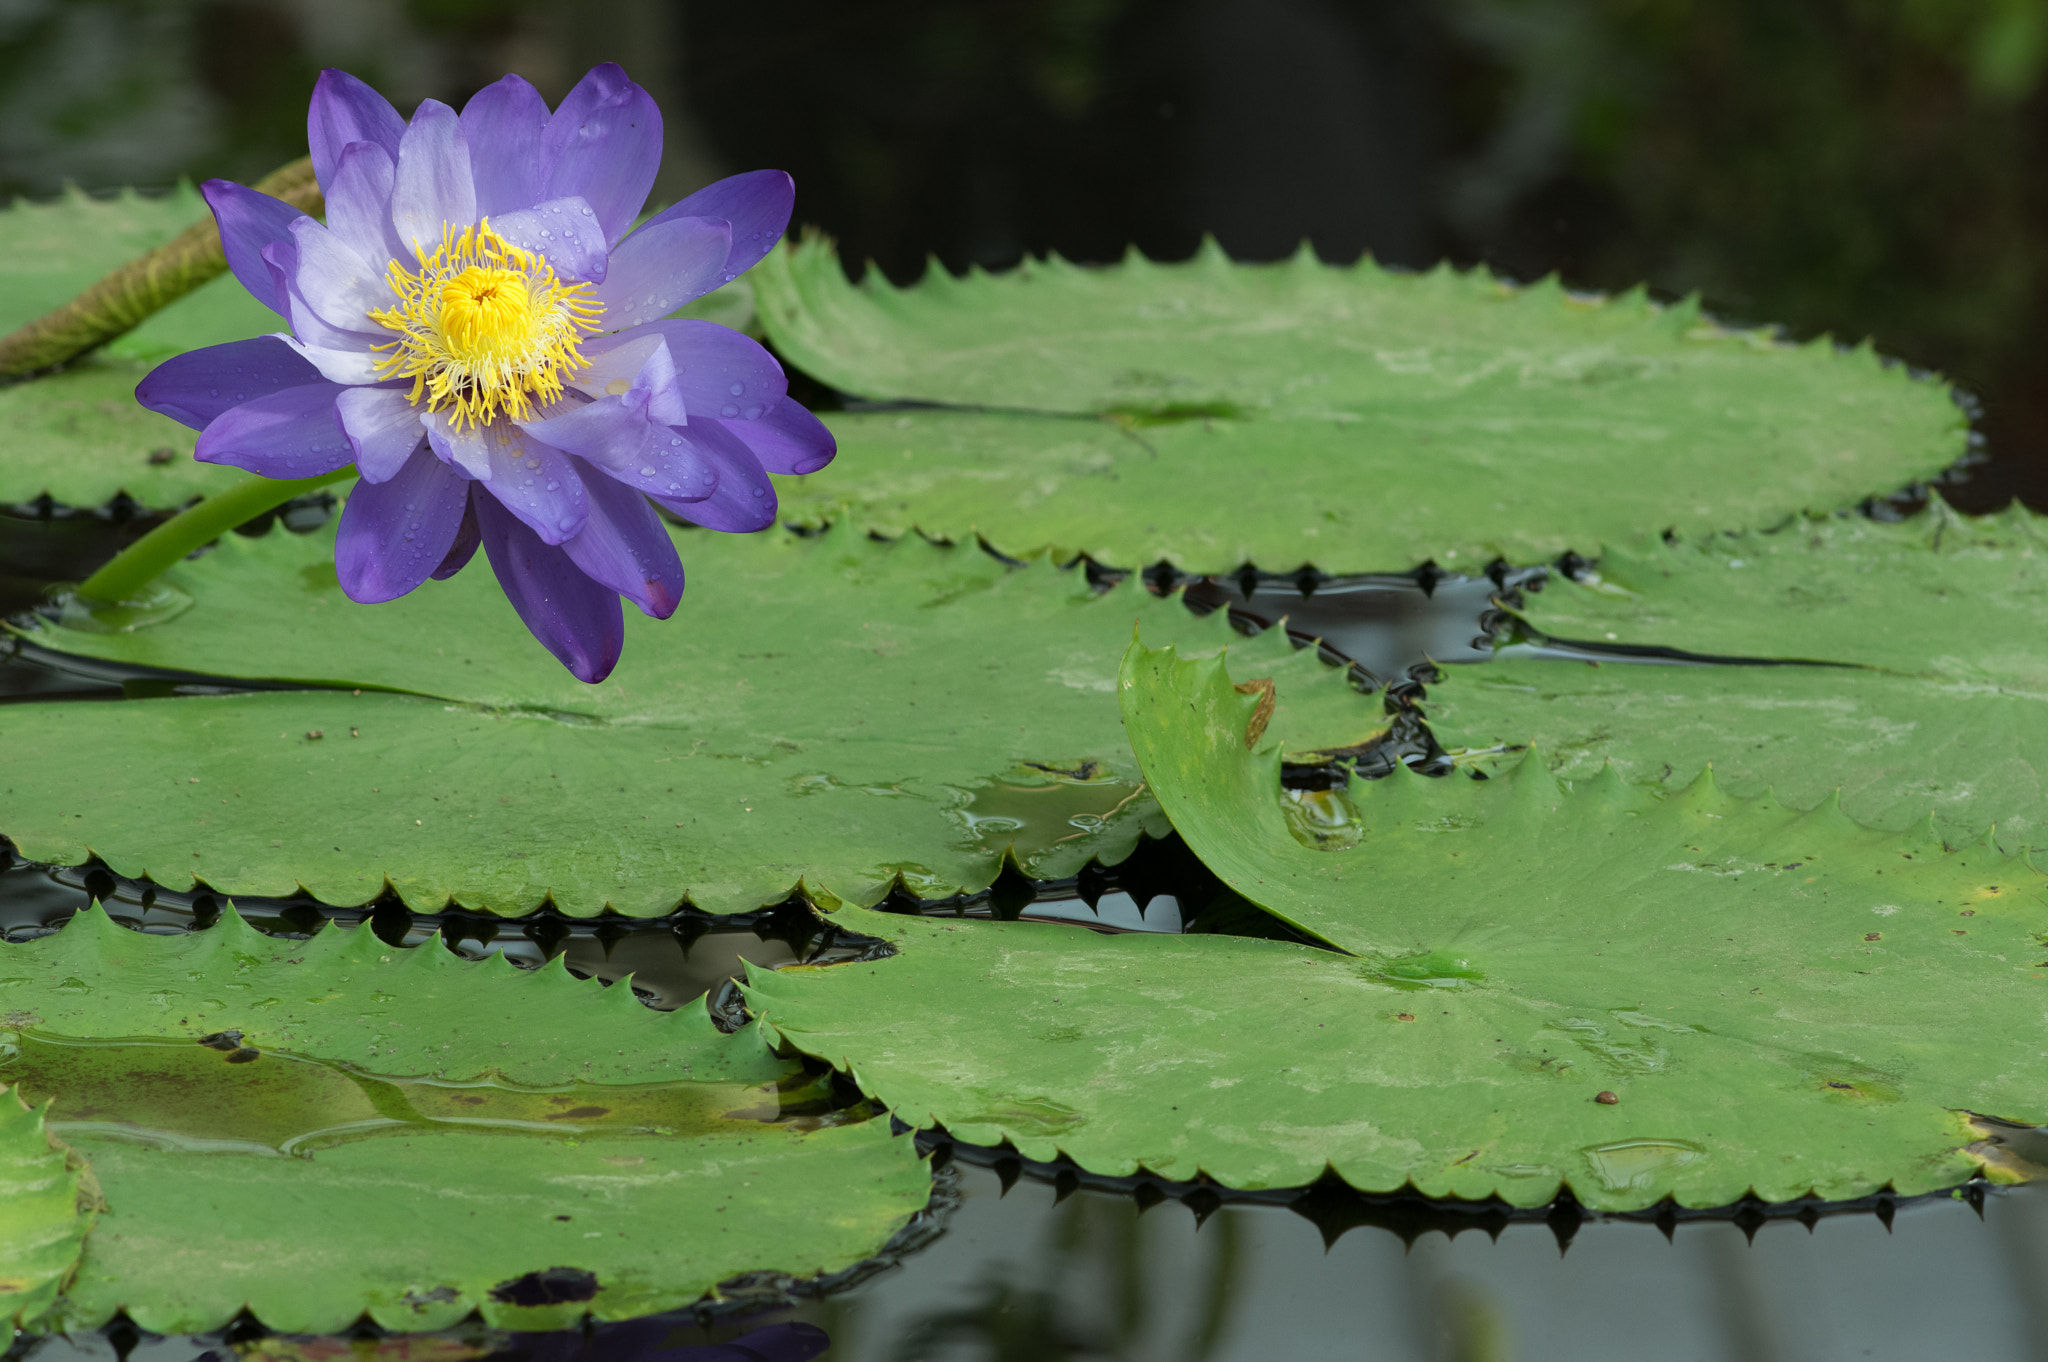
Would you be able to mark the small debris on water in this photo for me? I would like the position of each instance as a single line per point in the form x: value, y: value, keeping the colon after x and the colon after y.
x: 1607, y: 1099
x: 316, y: 733
x: 159, y: 457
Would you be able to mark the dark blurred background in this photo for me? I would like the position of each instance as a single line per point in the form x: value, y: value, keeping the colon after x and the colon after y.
x: 1854, y: 167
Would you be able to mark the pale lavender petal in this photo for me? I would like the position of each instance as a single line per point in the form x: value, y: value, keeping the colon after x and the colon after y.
x: 466, y: 450
x: 248, y: 222
x: 287, y: 434
x: 503, y: 122
x: 345, y: 110
x: 354, y: 366
x: 563, y: 230
x: 642, y: 371
x: 340, y: 287
x: 393, y: 535
x: 199, y: 385
x: 433, y: 187
x: 576, y: 619
x: 535, y: 482
x: 744, y: 500
x: 464, y: 548
x: 757, y: 204
x: 604, y: 146
x: 625, y: 547
x: 658, y: 269
x: 786, y: 439
x: 719, y: 372
x: 383, y: 428
x: 359, y: 204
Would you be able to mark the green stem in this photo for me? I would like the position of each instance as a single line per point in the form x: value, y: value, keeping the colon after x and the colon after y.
x: 143, y: 561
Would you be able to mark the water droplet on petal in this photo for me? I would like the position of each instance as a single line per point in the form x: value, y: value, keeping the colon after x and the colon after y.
x: 647, y: 472
x: 738, y: 388
x: 586, y: 212
x: 676, y: 442
x: 213, y: 392
x: 728, y: 410
x: 752, y: 413
x: 760, y: 491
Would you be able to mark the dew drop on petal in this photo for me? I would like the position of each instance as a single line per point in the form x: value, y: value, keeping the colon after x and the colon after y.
x: 738, y: 388
x: 728, y: 410
x: 760, y: 491
x: 752, y: 413
x: 647, y: 472
x: 676, y: 442
x: 213, y: 392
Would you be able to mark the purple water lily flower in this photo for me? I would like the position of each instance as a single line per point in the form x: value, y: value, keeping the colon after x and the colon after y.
x: 482, y: 332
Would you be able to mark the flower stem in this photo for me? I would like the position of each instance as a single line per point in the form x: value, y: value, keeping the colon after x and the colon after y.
x: 143, y: 561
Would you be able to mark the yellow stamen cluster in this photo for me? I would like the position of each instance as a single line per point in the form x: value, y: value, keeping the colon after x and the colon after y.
x: 484, y: 327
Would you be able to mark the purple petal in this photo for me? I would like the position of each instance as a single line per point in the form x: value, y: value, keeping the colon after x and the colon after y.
x: 359, y: 204
x: 433, y: 188
x: 657, y: 270
x: 563, y: 230
x: 393, y: 535
x: 744, y: 500
x: 354, y: 365
x: 604, y: 145
x: 466, y: 539
x: 339, y: 285
x: 249, y: 221
x: 718, y: 371
x: 286, y: 434
x: 195, y: 387
x: 383, y: 428
x: 576, y: 619
x: 786, y: 439
x: 757, y: 204
x: 345, y: 110
x: 630, y: 435
x: 503, y: 122
x: 534, y: 481
x: 625, y: 547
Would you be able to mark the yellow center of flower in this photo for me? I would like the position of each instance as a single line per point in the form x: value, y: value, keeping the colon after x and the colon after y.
x: 484, y: 328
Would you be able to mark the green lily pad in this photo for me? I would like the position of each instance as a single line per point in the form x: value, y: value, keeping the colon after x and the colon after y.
x: 79, y: 435
x: 1272, y: 413
x: 833, y: 711
x: 1944, y: 710
x: 1779, y: 1003
x: 45, y: 1211
x: 336, y: 1127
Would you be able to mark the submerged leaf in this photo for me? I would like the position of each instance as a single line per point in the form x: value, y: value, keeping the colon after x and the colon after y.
x: 1782, y: 1003
x: 336, y: 1126
x: 1944, y: 710
x: 1350, y: 417
x: 833, y: 710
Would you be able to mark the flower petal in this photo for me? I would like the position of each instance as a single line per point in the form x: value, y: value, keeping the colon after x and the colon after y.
x: 563, y: 230
x: 339, y: 285
x: 345, y: 110
x: 786, y: 439
x: 467, y: 537
x: 744, y: 500
x: 656, y: 270
x: 625, y: 547
x: 503, y: 122
x: 288, y: 434
x: 359, y: 204
x: 395, y: 534
x: 604, y: 145
x: 433, y: 188
x: 354, y: 365
x: 757, y: 204
x: 718, y: 371
x: 383, y: 428
x: 195, y: 387
x: 631, y: 435
x: 534, y: 481
x: 576, y: 619
x: 248, y: 222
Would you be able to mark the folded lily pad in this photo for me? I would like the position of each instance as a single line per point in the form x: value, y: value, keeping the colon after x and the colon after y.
x: 336, y: 1127
x: 1944, y: 710
x: 1695, y: 997
x: 46, y: 1207
x: 1350, y: 417
x: 833, y: 711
